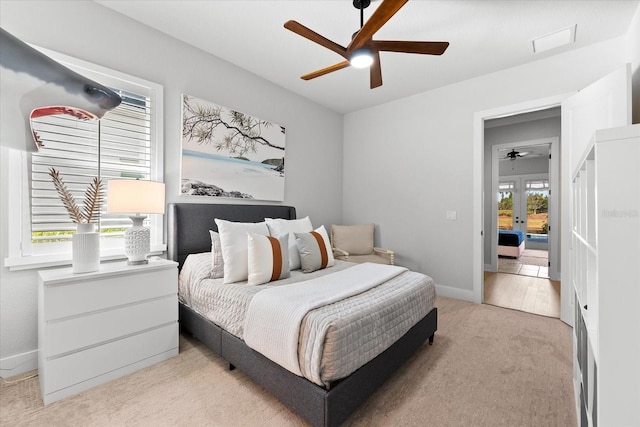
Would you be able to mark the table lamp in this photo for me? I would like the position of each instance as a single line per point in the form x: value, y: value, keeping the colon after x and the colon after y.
x: 138, y: 198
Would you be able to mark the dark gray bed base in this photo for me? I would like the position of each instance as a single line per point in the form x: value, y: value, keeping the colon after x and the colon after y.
x: 318, y: 406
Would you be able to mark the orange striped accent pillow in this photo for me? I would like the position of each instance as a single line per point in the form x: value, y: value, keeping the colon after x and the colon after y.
x: 268, y: 258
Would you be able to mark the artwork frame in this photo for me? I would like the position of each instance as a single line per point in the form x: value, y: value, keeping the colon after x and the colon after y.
x: 226, y: 153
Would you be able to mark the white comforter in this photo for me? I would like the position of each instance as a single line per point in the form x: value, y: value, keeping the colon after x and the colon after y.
x: 272, y: 325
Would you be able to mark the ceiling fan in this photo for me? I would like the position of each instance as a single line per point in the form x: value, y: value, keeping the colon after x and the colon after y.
x: 363, y: 51
x: 513, y: 154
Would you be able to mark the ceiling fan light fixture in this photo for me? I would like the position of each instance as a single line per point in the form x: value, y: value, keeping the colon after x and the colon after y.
x: 361, y: 58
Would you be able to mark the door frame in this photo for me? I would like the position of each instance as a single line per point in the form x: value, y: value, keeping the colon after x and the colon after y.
x: 554, y: 201
x: 479, y: 118
x: 604, y: 103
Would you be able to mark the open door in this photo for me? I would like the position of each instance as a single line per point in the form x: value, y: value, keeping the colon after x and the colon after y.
x: 604, y: 104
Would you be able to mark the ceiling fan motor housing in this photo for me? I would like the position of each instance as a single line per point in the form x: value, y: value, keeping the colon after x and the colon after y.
x: 361, y: 4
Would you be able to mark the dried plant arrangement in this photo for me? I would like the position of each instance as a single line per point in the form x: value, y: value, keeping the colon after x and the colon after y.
x: 92, y: 199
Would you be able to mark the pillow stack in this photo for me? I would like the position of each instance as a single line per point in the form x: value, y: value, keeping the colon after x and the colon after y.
x: 291, y: 226
x: 267, y: 251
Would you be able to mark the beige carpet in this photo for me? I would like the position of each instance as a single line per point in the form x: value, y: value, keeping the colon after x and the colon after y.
x: 488, y: 367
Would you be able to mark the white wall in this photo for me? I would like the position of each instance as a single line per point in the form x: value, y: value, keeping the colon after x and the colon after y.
x: 90, y: 32
x: 409, y: 161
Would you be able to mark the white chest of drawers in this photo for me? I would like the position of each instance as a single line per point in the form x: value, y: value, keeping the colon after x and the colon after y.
x: 95, y: 327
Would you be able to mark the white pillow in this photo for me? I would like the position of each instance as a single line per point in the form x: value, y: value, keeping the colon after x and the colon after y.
x: 315, y: 250
x: 217, y: 262
x: 233, y: 239
x: 268, y: 258
x: 291, y: 226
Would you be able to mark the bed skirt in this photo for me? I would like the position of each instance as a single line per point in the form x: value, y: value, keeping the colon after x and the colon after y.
x: 317, y: 405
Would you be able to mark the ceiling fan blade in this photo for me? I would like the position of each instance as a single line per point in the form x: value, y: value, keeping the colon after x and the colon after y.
x: 382, y: 14
x: 376, y: 71
x: 309, y: 34
x: 428, y: 48
x: 327, y: 70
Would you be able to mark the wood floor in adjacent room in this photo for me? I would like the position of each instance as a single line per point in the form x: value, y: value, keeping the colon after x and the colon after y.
x: 525, y: 293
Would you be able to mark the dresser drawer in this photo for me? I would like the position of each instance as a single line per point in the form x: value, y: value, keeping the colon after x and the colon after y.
x: 77, y: 333
x: 98, y: 293
x: 77, y: 367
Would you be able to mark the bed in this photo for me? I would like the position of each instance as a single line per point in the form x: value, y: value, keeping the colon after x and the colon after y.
x: 326, y: 404
x: 510, y: 243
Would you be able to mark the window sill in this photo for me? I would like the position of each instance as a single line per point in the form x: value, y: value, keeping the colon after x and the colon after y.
x: 60, y: 260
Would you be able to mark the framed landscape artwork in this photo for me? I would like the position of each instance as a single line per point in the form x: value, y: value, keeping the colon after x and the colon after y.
x: 226, y: 153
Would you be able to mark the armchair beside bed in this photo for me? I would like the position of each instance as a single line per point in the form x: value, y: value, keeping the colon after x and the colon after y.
x: 354, y: 243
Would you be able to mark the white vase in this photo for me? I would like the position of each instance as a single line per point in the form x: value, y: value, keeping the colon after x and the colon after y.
x: 85, y: 249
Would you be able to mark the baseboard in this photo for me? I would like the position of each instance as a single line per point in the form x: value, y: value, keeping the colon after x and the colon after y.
x: 449, y: 292
x: 18, y: 364
x: 489, y: 267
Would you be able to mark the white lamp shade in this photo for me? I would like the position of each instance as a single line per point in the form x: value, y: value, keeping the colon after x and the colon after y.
x: 135, y: 196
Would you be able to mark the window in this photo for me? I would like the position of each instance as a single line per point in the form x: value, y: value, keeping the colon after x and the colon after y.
x: 537, y: 192
x: 125, y: 143
x: 505, y: 205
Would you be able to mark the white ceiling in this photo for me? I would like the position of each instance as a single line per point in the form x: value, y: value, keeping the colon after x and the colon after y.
x: 484, y: 36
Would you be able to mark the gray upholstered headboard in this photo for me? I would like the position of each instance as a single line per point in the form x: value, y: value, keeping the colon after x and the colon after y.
x: 188, y: 224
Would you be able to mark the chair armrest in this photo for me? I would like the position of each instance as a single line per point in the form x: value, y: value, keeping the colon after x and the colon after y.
x: 340, y: 254
x: 385, y: 253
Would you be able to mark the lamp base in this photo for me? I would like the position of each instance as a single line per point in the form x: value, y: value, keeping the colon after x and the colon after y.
x: 137, y: 241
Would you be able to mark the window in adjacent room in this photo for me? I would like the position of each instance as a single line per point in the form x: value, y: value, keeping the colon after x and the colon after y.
x: 505, y: 205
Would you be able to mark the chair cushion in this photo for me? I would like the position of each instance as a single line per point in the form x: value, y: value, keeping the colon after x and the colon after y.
x: 355, y: 239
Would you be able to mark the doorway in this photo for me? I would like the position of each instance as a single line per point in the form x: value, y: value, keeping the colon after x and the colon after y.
x: 523, y: 209
x: 522, y: 203
x: 521, y: 182
x: 603, y: 104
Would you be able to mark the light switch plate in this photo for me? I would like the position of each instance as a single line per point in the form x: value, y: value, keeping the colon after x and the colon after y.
x: 452, y: 215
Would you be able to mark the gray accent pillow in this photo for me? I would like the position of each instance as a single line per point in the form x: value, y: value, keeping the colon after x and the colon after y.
x: 217, y: 263
x: 315, y: 250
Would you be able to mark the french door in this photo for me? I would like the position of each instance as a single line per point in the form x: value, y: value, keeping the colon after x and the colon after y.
x: 523, y: 204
